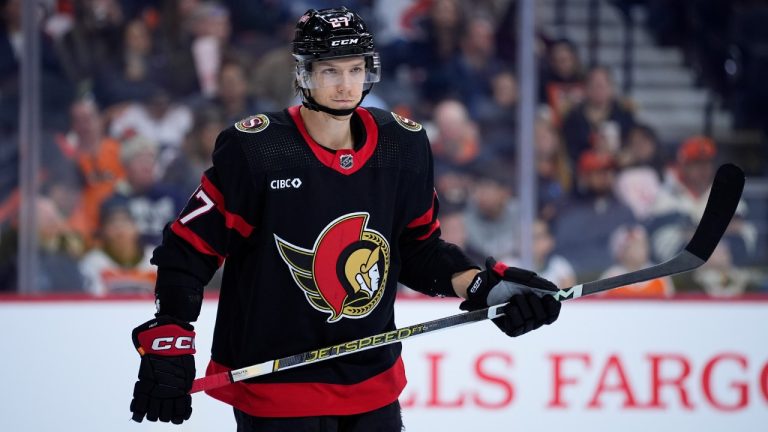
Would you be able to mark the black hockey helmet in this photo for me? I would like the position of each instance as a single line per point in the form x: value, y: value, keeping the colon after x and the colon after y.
x: 328, y: 34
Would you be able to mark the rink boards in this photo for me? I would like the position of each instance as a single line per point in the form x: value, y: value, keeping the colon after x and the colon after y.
x: 605, y: 365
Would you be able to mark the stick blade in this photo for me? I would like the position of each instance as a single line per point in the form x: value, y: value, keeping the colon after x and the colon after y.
x: 721, y: 205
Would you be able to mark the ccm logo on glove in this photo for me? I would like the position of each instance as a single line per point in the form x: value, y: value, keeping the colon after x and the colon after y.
x: 476, y: 285
x: 169, y: 339
x: 166, y: 343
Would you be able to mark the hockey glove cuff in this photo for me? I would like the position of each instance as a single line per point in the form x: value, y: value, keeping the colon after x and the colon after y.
x: 530, y: 297
x: 167, y: 348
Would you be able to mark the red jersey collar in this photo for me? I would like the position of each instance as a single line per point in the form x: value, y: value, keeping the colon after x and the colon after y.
x: 343, y: 161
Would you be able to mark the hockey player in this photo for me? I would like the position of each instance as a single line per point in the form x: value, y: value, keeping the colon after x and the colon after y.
x: 318, y: 211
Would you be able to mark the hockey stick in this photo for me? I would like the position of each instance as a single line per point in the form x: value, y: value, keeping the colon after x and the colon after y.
x: 721, y: 205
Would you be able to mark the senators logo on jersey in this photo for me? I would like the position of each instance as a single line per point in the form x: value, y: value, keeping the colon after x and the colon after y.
x: 345, y: 273
x: 253, y: 124
x: 407, y: 123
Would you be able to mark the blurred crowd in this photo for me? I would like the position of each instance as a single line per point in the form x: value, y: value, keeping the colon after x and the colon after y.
x: 135, y: 92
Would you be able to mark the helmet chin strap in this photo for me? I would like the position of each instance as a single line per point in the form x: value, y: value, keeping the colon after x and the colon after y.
x: 310, y: 102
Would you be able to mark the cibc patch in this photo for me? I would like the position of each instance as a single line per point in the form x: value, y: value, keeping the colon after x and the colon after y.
x: 407, y: 123
x: 253, y: 124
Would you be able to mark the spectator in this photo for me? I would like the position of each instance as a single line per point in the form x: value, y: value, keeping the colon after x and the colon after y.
x: 469, y: 75
x: 158, y: 119
x: 96, y: 29
x: 641, y: 149
x: 175, y: 31
x: 151, y: 203
x: 56, y: 90
x: 600, y: 116
x: 454, y: 227
x: 233, y: 97
x: 195, y: 41
x: 556, y: 268
x: 585, y: 224
x: 183, y: 172
x: 719, y: 277
x: 120, y: 264
x: 135, y: 72
x: 58, y: 178
x: 682, y: 199
x: 434, y: 45
x: 453, y: 186
x: 96, y: 160
x: 507, y: 34
x: 631, y: 252
x: 146, y: 9
x: 10, y: 56
x: 455, y: 144
x: 546, y: 261
x: 9, y: 177
x: 553, y: 172
x: 212, y: 30
x: 638, y: 188
x: 497, y: 115
x: 641, y: 167
x: 562, y: 79
x: 272, y: 76
x: 58, y: 251
x: 440, y: 32
x: 492, y: 217
x: 257, y: 21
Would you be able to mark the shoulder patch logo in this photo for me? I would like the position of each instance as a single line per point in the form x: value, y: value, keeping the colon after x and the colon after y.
x: 253, y: 124
x: 407, y: 123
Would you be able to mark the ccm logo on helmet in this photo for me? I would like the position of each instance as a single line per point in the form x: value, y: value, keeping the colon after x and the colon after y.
x: 293, y: 183
x: 166, y: 343
x: 343, y: 42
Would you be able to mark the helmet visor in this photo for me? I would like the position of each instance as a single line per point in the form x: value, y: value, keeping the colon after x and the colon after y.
x: 332, y: 73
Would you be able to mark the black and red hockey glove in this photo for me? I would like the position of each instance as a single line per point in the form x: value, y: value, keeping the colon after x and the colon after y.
x: 531, y: 303
x: 167, y: 348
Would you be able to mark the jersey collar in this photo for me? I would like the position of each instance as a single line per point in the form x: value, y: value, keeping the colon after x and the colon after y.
x: 343, y: 161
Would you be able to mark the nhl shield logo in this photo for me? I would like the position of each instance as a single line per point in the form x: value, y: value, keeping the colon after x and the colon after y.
x: 345, y: 272
x: 346, y: 161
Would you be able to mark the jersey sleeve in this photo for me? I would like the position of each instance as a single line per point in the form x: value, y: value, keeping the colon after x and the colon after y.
x: 428, y: 262
x: 216, y: 221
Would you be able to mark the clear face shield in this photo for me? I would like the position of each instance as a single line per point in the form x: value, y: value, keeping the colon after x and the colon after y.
x: 332, y: 72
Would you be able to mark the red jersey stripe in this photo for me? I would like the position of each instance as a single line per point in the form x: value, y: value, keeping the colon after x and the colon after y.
x: 425, y: 218
x: 198, y: 243
x: 231, y: 220
x: 432, y: 228
x: 316, y: 399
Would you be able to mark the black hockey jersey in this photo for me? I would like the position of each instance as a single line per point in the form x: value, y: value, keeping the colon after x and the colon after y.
x: 314, y: 242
